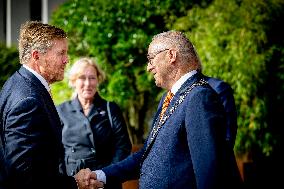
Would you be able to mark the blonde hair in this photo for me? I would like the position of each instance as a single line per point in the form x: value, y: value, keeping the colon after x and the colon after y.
x: 79, y: 66
x: 35, y: 35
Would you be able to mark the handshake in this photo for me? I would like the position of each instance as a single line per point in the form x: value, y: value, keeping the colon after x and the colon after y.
x: 86, y: 179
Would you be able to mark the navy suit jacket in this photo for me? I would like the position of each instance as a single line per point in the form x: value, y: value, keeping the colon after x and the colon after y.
x: 190, y: 150
x: 225, y: 92
x: 30, y: 131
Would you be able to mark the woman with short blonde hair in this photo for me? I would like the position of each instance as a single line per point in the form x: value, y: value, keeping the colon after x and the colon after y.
x: 94, y: 132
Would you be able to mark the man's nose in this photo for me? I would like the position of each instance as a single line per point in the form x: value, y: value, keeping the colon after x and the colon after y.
x: 65, y: 60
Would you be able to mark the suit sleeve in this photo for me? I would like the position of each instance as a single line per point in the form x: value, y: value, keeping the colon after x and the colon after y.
x: 205, y: 127
x: 225, y: 92
x: 127, y: 169
x: 30, y: 152
x: 228, y: 101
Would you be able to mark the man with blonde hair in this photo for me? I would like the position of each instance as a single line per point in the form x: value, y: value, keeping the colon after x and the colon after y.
x: 30, y: 143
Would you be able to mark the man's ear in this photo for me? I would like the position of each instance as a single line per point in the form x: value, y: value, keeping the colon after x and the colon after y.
x: 35, y: 55
x: 172, y: 55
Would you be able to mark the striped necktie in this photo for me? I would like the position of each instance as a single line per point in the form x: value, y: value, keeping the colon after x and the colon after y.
x: 166, y: 103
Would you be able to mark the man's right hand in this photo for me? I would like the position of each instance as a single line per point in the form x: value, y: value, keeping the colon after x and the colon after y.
x: 86, y: 179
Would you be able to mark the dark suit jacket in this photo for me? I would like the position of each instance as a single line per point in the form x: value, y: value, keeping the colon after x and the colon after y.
x: 189, y: 151
x: 30, y: 135
x: 225, y: 92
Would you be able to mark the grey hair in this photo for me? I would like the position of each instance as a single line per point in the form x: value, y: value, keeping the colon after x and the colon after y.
x: 179, y: 41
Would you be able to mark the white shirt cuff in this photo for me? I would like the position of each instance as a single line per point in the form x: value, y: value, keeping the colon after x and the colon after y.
x: 101, y: 176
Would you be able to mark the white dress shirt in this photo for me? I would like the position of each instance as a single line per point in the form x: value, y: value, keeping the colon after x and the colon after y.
x: 181, y: 81
x: 42, y: 80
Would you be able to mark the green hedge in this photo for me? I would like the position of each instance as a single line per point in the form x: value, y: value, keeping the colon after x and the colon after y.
x: 9, y: 62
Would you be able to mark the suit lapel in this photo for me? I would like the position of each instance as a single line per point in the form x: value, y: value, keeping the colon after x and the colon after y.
x: 178, y: 98
x: 77, y: 108
x: 46, y: 100
x: 180, y: 93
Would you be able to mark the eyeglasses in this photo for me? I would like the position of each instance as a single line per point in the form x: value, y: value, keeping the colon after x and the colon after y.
x: 151, y: 58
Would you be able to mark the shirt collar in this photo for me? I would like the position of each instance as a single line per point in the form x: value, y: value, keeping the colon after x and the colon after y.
x: 179, y: 83
x: 42, y: 80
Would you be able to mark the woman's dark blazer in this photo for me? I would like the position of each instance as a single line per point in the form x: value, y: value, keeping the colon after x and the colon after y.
x: 30, y: 131
x: 110, y: 143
